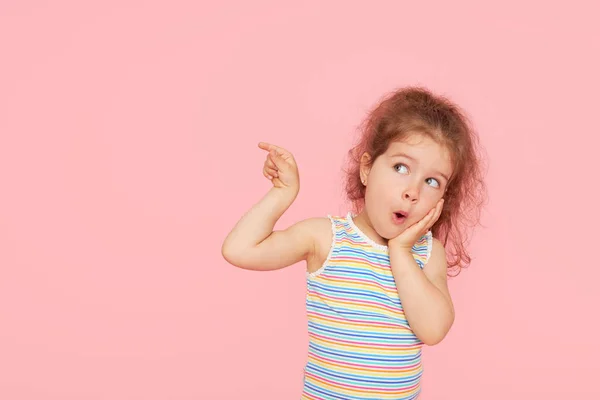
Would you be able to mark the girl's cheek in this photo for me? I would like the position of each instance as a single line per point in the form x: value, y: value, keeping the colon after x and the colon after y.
x: 433, y: 196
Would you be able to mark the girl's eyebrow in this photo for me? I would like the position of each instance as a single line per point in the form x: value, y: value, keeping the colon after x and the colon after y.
x: 444, y: 175
x: 400, y: 154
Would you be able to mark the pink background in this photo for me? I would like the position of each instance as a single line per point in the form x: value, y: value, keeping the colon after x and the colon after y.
x: 128, y: 151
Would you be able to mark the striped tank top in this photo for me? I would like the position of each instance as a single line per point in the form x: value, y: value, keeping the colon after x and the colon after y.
x: 360, y: 343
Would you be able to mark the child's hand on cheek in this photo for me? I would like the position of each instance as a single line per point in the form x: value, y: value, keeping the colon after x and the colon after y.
x: 406, y: 240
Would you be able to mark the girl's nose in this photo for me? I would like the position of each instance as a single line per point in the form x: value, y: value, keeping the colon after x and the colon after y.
x: 411, y: 194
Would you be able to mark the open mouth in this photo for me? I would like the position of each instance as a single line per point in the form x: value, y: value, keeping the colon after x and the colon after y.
x: 400, y: 216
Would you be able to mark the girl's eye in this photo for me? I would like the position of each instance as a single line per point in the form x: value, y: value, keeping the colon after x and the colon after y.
x: 403, y: 169
x: 433, y: 182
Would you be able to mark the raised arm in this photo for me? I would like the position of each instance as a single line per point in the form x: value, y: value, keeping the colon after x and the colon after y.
x: 252, y: 243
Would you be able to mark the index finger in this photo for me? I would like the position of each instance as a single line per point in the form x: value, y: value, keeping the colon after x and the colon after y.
x: 269, y: 147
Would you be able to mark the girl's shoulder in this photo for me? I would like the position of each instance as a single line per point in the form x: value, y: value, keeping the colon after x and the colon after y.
x: 324, y: 229
x: 320, y: 229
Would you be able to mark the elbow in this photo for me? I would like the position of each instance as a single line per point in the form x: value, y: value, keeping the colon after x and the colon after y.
x: 435, y: 336
x: 229, y: 255
x: 432, y: 340
x: 236, y: 257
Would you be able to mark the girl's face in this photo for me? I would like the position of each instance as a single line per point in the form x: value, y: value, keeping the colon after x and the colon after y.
x: 408, y: 179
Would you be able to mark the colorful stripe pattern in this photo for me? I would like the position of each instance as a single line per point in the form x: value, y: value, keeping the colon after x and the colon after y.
x: 360, y: 343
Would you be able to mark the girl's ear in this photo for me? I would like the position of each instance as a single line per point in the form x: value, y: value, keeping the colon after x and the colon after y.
x: 365, y: 167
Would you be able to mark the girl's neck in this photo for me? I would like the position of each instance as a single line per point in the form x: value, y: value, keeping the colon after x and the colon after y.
x: 362, y: 221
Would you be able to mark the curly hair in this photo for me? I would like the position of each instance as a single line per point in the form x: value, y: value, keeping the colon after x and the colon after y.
x: 416, y: 110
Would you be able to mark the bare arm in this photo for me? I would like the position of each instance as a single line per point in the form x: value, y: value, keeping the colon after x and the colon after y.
x: 424, y: 293
x: 252, y: 244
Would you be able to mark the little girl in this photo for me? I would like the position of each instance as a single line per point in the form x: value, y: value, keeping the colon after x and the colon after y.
x: 376, y: 277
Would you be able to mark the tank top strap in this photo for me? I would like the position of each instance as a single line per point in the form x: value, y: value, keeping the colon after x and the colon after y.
x: 338, y: 233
